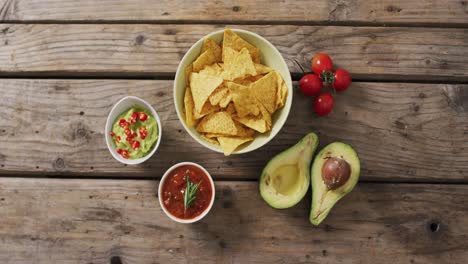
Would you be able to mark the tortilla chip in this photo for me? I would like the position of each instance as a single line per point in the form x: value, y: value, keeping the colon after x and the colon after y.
x: 209, y: 140
x: 233, y: 41
x: 220, y: 123
x: 206, y: 58
x: 243, y: 131
x: 202, y: 86
x: 218, y: 94
x: 230, y: 144
x: 207, y: 109
x: 244, y: 102
x: 238, y: 64
x: 257, y: 124
x: 262, y: 69
x: 265, y: 116
x: 189, y: 107
x: 265, y: 91
x: 214, y: 70
x: 188, y: 71
x: 282, y: 92
x: 226, y: 100
x: 209, y: 44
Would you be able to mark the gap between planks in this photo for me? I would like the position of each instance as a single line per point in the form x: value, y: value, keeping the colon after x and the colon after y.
x: 381, y: 78
x: 239, y: 22
x: 233, y: 179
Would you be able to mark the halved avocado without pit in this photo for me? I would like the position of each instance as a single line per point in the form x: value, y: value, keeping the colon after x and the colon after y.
x: 334, y: 174
x: 286, y: 178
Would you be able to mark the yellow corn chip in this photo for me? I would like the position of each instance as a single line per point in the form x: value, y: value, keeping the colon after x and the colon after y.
x: 244, y: 102
x: 262, y: 69
x: 265, y: 91
x: 282, y: 92
x: 189, y: 107
x: 230, y: 144
x: 218, y: 94
x: 238, y: 64
x: 220, y: 122
x: 256, y: 123
x: 226, y: 100
x: 233, y: 41
x: 210, y: 140
x: 209, y: 44
x: 265, y: 116
x: 243, y: 131
x: 202, y: 86
x: 188, y: 71
x: 207, y: 109
x: 206, y: 58
x: 214, y: 70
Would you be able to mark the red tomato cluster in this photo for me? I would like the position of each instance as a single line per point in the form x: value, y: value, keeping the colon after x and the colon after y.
x: 131, y: 135
x: 311, y: 84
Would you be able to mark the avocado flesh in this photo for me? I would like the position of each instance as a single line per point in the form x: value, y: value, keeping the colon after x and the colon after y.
x: 286, y: 178
x: 324, y: 199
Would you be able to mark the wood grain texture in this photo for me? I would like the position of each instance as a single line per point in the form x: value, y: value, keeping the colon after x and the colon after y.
x: 148, y: 50
x: 92, y: 221
x: 373, y: 11
x: 403, y: 132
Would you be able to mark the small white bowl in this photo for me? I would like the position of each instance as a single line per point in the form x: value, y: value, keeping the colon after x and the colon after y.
x: 161, y: 183
x: 270, y: 57
x: 121, y: 106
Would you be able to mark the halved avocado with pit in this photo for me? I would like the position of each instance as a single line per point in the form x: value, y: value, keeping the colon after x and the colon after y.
x: 334, y: 174
x: 286, y: 177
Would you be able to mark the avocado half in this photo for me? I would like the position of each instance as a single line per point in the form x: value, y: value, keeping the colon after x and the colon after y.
x: 285, y: 179
x: 325, y: 197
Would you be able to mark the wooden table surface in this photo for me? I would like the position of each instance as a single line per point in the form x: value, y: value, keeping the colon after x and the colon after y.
x: 64, y: 199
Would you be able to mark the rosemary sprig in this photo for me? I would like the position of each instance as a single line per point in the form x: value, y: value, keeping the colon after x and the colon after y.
x: 190, y: 192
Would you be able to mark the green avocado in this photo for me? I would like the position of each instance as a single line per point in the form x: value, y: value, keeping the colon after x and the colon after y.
x: 334, y: 174
x: 285, y: 179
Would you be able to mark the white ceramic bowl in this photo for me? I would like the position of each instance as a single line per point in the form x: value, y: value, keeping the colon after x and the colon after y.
x: 121, y: 106
x: 270, y: 57
x: 199, y: 217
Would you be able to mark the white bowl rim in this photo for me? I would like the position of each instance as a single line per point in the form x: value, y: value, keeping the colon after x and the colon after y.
x: 286, y: 107
x: 163, y: 178
x: 109, y: 124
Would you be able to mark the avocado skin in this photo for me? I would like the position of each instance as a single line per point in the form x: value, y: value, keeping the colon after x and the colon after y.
x: 301, y: 154
x: 323, y: 199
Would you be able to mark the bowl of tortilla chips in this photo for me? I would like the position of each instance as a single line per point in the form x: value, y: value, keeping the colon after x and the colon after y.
x: 233, y: 91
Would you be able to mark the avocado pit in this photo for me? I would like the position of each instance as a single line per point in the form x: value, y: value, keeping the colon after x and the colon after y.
x: 335, y: 172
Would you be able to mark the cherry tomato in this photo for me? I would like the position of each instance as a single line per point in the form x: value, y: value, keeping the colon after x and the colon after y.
x: 119, y: 151
x: 322, y: 62
x: 142, y: 116
x: 323, y: 104
x: 133, y: 135
x: 310, y: 84
x: 125, y: 154
x: 123, y: 123
x: 127, y: 131
x: 134, y: 118
x: 129, y: 139
x: 136, y: 144
x: 342, y: 80
x: 143, y: 132
x: 112, y: 134
x: 117, y: 139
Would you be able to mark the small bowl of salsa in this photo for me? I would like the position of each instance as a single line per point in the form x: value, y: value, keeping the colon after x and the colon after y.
x: 186, y: 192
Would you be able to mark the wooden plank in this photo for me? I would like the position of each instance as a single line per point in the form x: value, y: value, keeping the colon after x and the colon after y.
x: 148, y: 50
x: 92, y: 221
x: 409, y: 132
x: 374, y: 11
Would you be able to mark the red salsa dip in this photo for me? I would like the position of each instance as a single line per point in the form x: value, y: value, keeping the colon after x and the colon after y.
x: 173, y: 190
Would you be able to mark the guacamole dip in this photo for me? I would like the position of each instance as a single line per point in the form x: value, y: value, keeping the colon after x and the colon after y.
x: 135, y: 132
